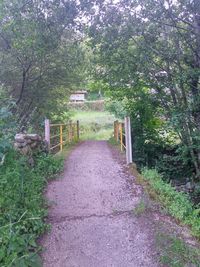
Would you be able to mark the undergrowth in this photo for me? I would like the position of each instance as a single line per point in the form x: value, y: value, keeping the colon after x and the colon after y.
x: 176, y: 203
x: 140, y: 208
x: 22, y: 207
x: 176, y: 253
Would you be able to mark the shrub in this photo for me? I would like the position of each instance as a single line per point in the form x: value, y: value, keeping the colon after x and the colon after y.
x: 174, y: 164
x: 174, y: 252
x: 7, y: 126
x: 176, y: 203
x: 22, y: 208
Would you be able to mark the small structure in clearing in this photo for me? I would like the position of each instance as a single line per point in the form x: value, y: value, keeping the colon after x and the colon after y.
x: 78, y: 96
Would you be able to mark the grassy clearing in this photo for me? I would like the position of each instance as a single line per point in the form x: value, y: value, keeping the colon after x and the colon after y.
x: 93, y: 117
x: 94, y: 125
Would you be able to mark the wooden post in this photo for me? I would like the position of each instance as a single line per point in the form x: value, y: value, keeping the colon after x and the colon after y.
x: 47, y: 132
x: 128, y: 140
x: 61, y: 138
x: 78, y: 130
x: 121, y: 136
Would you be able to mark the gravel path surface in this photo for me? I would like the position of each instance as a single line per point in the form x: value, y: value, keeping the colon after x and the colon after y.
x: 93, y: 223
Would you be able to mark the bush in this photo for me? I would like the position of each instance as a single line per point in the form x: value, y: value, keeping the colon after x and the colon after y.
x: 175, y: 165
x: 22, y: 207
x: 7, y: 127
x: 176, y: 203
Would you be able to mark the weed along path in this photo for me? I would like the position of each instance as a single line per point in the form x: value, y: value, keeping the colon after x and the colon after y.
x: 92, y: 214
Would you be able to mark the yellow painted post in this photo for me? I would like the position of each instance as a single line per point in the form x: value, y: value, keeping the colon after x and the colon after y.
x: 121, y: 136
x: 61, y: 138
x: 77, y: 128
x: 115, y: 136
x: 73, y: 131
x: 117, y: 131
x: 70, y: 131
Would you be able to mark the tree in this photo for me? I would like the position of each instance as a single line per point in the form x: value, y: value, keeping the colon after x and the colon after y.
x: 40, y: 54
x: 155, y: 45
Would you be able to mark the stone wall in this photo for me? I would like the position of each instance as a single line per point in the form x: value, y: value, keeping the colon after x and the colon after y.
x: 28, y: 144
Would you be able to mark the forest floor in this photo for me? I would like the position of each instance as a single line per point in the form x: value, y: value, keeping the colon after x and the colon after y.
x: 101, y: 217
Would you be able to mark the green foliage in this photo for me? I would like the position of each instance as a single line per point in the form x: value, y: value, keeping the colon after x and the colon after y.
x: 4, y: 138
x: 116, y: 107
x: 113, y: 141
x: 22, y: 207
x: 94, y: 125
x: 7, y: 126
x: 176, y: 203
x: 140, y: 208
x: 41, y: 56
x: 146, y: 57
x: 176, y: 253
x: 174, y: 164
x: 96, y: 89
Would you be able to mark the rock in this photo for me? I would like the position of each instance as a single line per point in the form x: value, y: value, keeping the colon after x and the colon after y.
x: 17, y: 146
x: 44, y: 146
x: 26, y: 151
x: 31, y: 162
x: 190, y: 186
x: 27, y: 143
x: 34, y: 145
x: 20, y: 138
x: 34, y: 137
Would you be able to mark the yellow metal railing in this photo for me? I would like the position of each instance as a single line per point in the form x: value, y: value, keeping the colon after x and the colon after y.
x: 119, y: 134
x: 58, y: 135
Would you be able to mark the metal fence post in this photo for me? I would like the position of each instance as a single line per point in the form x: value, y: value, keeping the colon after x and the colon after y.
x: 121, y: 135
x: 47, y: 132
x: 128, y: 140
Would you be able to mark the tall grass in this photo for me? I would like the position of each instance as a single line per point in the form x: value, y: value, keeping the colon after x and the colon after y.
x: 176, y: 203
x: 94, y: 125
x: 22, y: 207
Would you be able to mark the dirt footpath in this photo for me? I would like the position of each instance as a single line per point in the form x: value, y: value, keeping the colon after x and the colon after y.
x: 93, y: 223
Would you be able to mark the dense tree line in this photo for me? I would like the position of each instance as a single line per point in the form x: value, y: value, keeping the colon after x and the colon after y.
x: 41, y: 56
x: 148, y: 54
x: 145, y: 54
